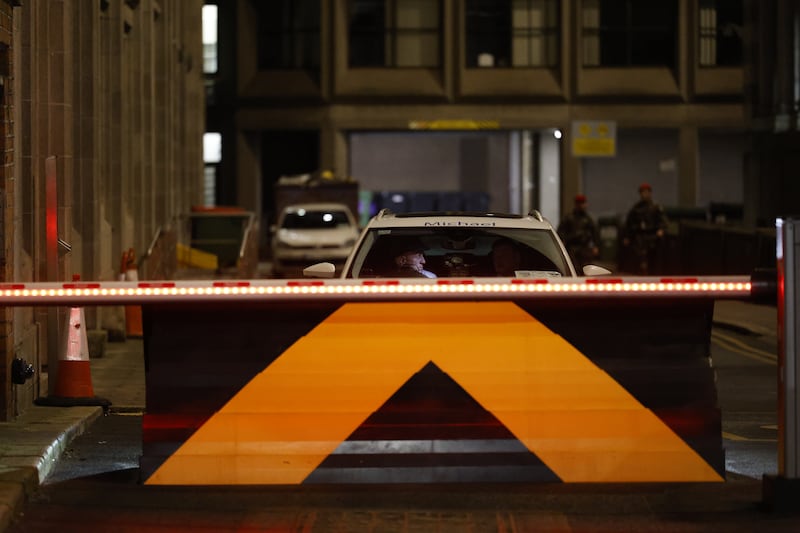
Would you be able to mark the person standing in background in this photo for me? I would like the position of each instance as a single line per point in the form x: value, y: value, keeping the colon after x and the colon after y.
x: 579, y: 233
x: 645, y: 228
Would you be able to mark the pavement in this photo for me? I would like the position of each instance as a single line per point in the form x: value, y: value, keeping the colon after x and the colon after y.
x: 31, y: 445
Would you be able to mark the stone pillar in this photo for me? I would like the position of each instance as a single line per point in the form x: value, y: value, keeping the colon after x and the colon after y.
x: 688, y: 165
x: 571, y: 174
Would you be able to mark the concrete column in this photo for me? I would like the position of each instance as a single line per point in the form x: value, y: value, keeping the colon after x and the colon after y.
x: 149, y: 185
x: 87, y: 196
x: 551, y: 187
x: 333, y: 150
x: 248, y: 177
x: 571, y: 174
x: 165, y: 194
x: 688, y: 165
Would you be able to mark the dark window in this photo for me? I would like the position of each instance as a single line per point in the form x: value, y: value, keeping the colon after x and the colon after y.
x: 629, y: 33
x: 720, y: 28
x: 394, y: 33
x: 288, y: 34
x: 512, y: 33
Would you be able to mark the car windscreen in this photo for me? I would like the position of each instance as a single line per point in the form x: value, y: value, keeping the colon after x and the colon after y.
x: 305, y: 219
x: 462, y: 252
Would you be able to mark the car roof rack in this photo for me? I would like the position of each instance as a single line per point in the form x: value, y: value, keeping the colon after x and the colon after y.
x: 536, y: 214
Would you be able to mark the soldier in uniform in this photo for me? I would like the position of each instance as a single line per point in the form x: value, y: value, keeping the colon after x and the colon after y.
x: 579, y: 233
x: 645, y: 227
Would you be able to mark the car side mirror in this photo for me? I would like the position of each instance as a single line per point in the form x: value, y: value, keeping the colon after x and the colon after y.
x: 320, y: 270
x: 595, y: 270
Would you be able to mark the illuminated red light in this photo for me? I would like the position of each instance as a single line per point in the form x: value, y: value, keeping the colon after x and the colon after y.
x: 108, y: 293
x: 149, y: 285
x: 81, y: 285
x: 604, y: 281
x: 305, y: 284
x: 678, y: 280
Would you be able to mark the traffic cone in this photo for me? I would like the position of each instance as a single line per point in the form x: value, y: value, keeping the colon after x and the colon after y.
x: 74, y: 379
x: 133, y: 313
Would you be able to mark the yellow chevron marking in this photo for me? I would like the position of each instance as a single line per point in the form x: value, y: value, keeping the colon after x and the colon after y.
x: 581, y: 423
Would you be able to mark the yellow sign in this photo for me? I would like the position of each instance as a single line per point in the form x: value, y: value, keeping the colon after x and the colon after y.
x: 454, y: 125
x: 594, y: 138
x: 563, y: 408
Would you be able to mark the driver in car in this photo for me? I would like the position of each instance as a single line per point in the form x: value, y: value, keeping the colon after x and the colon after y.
x: 506, y: 258
x: 410, y: 261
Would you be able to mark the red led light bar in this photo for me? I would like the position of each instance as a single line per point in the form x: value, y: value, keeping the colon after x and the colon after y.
x: 231, y: 284
x: 137, y: 293
x: 156, y: 285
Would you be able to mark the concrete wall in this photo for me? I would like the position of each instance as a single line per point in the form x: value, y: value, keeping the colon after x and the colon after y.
x: 107, y: 100
x: 722, y: 159
x: 453, y: 161
x: 444, y: 161
x: 611, y: 183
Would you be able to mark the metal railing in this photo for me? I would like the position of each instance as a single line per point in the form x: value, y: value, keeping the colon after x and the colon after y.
x: 160, y: 259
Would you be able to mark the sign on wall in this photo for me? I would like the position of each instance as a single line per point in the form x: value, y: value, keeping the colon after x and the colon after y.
x: 444, y: 124
x: 594, y: 138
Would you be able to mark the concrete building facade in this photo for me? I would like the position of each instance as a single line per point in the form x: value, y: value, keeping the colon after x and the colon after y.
x: 445, y: 95
x: 772, y: 88
x: 102, y: 129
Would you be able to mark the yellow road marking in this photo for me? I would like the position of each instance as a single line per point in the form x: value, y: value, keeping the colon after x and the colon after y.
x: 737, y: 346
x: 582, y: 424
x: 739, y: 438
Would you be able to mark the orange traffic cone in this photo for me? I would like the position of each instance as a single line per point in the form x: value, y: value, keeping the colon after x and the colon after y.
x: 74, y: 379
x: 133, y: 313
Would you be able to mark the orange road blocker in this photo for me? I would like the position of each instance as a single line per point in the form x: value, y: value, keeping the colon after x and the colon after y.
x: 432, y: 388
x: 433, y: 381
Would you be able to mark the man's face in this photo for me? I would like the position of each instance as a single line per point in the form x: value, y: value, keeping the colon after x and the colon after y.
x: 646, y: 194
x: 506, y: 260
x: 413, y: 260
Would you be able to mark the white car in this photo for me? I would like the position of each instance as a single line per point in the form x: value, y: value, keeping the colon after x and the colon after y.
x: 312, y: 232
x: 457, y: 245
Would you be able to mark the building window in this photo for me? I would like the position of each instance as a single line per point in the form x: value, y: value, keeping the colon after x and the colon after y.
x: 395, y: 33
x: 630, y: 33
x: 288, y: 34
x: 209, y: 39
x: 212, y: 156
x: 720, y: 33
x: 512, y: 33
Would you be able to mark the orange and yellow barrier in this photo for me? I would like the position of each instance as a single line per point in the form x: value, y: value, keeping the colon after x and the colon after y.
x: 391, y: 392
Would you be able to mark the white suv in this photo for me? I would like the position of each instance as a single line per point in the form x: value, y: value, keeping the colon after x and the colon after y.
x: 457, y: 245
x: 311, y: 232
